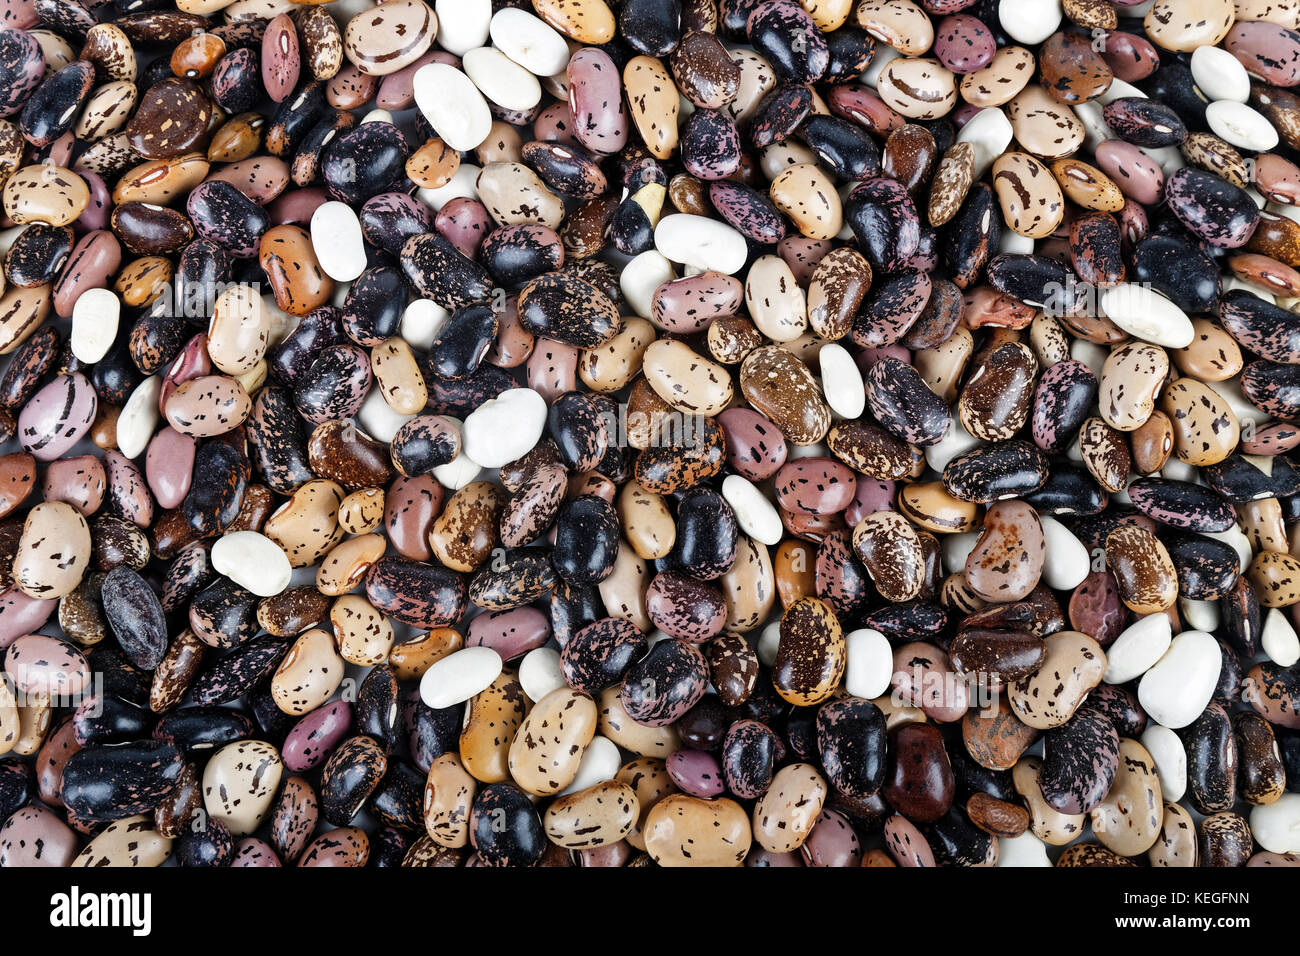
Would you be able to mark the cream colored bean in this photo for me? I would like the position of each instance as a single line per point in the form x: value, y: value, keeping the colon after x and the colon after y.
x: 239, y: 784
x: 365, y: 636
x: 547, y: 749
x: 633, y: 737
x: 239, y: 333
x: 804, y: 193
x: 515, y: 194
x: 309, y: 674
x: 361, y: 511
x: 398, y: 377
x: 786, y: 812
x: 623, y: 592
x: 596, y: 816
x: 306, y: 526
x: 775, y: 301
x: 448, y: 798
x: 613, y: 365
x: 347, y: 563
x: 685, y: 379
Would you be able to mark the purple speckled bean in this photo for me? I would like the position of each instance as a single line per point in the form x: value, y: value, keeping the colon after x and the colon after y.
x: 596, y: 101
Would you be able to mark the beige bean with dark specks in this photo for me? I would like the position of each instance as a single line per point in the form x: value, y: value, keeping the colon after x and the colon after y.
x: 208, y: 406
x: 239, y: 784
x: 785, y: 814
x: 808, y: 197
x: 1042, y: 126
x: 901, y: 24
x: 491, y: 725
x: 1175, y: 846
x: 828, y: 14
x: 1001, y: 80
x: 398, y: 377
x: 686, y: 831
x: 1263, y: 525
x: 628, y: 734
x: 347, y: 563
x: 361, y: 511
x: 1131, y: 378
x: 1031, y: 199
x: 749, y: 587
x: 365, y: 636
x: 685, y: 379
x: 597, y: 816
x: 918, y: 87
x: 53, y: 551
x: 306, y: 526
x: 33, y: 723
x: 548, y: 747
x: 1048, y: 340
x: 897, y: 713
x: 503, y: 145
x: 1206, y: 430
x: 1181, y: 26
x: 653, y: 101
x: 448, y: 798
x: 613, y: 365
x: 1276, y: 578
x: 383, y: 41
x: 309, y: 673
x: 647, y: 522
x: 1213, y: 356
x: 774, y: 159
x: 775, y: 301
x: 47, y: 194
x: 1049, y: 697
x: 10, y: 722
x: 1128, y: 819
x: 623, y: 592
x: 1045, y: 822
x: 514, y: 194
x: 650, y: 782
x: 943, y: 366
x: 757, y: 79
x: 298, y: 282
x: 130, y: 842
x: 240, y: 331
x: 589, y: 22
